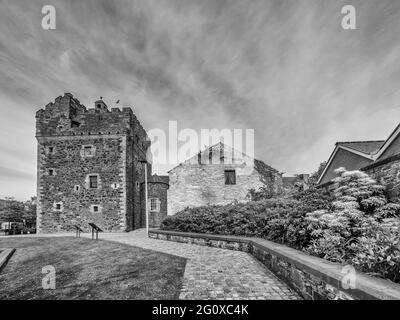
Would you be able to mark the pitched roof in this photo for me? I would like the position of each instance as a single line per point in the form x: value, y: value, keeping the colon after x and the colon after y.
x: 363, y: 148
x: 392, y: 137
x: 372, y: 150
x: 367, y: 147
x: 259, y: 165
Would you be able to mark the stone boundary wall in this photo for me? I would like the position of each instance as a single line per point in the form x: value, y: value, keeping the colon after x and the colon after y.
x: 313, y: 278
x: 5, y: 255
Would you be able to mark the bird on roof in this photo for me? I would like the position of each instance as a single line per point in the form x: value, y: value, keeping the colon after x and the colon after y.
x: 101, y: 98
x: 117, y: 101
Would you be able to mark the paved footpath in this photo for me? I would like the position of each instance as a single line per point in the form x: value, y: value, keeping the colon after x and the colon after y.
x: 213, y: 273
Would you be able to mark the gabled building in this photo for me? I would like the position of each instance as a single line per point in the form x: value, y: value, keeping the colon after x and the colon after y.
x: 380, y: 159
x: 218, y: 175
x: 352, y: 155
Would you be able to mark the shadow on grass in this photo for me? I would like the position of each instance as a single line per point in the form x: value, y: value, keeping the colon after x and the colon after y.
x: 87, y: 269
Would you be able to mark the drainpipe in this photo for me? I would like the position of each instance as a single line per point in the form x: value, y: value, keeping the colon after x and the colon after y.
x: 145, y: 196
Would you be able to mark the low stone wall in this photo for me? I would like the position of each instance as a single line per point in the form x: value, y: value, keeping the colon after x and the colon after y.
x: 313, y: 278
x: 5, y: 255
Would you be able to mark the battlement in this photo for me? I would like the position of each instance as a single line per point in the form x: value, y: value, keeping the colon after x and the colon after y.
x: 67, y: 116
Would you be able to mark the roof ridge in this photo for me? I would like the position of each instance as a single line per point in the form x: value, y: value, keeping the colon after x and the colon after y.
x: 365, y: 141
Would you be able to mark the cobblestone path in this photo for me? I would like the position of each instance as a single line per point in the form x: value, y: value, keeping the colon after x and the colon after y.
x: 213, y: 273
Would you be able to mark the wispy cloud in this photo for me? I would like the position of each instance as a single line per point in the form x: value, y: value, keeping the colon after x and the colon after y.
x: 282, y: 67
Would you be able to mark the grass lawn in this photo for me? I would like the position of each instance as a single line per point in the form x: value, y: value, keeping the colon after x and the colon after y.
x: 87, y: 269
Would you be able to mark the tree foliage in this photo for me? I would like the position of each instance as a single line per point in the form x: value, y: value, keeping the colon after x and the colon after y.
x: 317, y: 174
x: 17, y: 211
x: 12, y: 211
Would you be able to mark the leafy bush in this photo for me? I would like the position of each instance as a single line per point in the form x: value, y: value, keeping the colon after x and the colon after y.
x: 276, y: 219
x: 361, y: 228
x: 260, y: 194
x: 295, y: 233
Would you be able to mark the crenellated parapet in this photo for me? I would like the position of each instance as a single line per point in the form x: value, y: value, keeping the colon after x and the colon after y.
x: 66, y: 116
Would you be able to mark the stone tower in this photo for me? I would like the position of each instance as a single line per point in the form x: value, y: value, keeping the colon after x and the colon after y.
x: 88, y: 166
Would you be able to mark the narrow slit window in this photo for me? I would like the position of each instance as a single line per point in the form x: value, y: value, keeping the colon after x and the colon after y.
x: 114, y: 185
x: 93, y: 182
x: 230, y: 177
x: 58, y: 206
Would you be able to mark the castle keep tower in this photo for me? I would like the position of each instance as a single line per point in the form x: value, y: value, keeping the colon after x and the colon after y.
x: 89, y: 166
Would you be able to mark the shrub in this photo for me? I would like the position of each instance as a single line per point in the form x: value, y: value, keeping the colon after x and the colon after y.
x: 361, y: 228
x: 260, y: 194
x: 236, y: 219
x: 276, y: 219
x: 294, y: 230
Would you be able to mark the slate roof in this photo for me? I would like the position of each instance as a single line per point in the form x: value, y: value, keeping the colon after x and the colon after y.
x: 367, y: 147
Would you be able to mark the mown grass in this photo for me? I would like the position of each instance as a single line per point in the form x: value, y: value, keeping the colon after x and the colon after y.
x: 87, y: 269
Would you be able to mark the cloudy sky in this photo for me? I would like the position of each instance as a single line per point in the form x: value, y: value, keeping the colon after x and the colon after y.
x: 284, y: 68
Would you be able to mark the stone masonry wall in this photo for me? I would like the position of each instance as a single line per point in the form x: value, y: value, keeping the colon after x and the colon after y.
x: 198, y: 185
x: 156, y: 190
x: 119, y: 142
x: 387, y: 173
x: 70, y: 172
